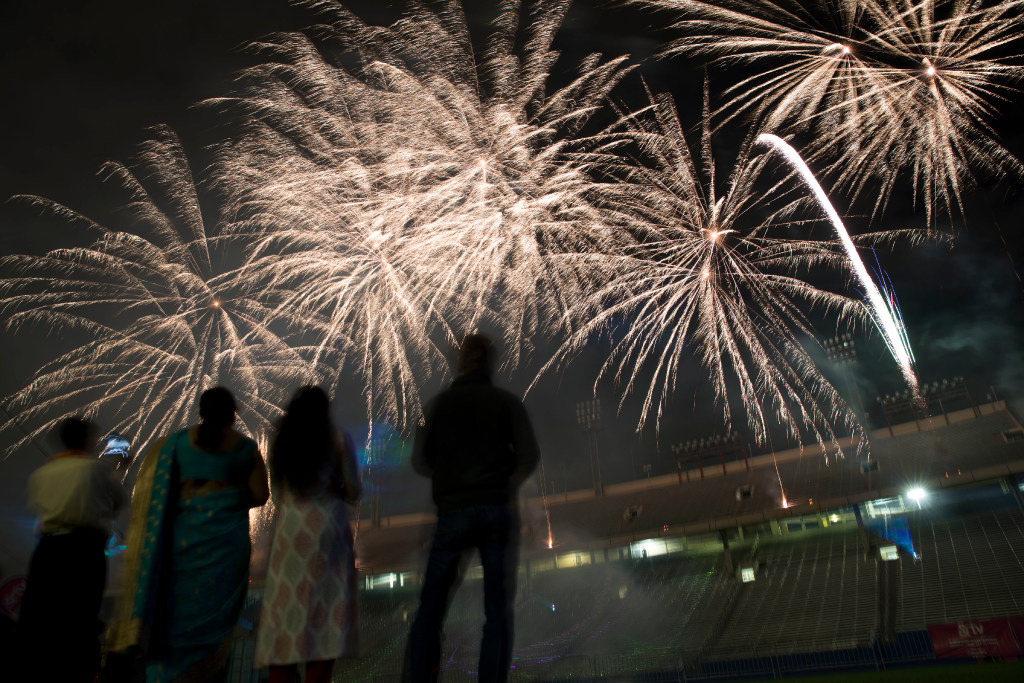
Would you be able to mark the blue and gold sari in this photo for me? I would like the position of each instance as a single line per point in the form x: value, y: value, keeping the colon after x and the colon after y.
x: 187, y: 564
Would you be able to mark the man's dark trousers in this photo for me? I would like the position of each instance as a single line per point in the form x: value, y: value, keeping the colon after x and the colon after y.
x: 66, y: 578
x: 494, y: 531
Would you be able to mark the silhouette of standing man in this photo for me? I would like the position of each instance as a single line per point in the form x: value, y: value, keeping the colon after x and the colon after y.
x: 477, y: 446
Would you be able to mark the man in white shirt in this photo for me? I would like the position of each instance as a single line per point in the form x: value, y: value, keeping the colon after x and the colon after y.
x: 76, y: 497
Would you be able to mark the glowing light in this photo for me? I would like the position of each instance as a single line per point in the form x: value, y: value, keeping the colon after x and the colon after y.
x: 917, y: 494
x: 882, y: 313
x: 834, y: 518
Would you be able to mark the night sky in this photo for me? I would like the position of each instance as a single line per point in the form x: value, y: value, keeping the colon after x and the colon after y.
x: 81, y: 82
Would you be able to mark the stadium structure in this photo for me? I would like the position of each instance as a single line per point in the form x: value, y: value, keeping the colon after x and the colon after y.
x: 741, y: 564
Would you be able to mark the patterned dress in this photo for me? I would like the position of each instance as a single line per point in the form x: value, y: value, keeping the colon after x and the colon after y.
x: 309, y: 603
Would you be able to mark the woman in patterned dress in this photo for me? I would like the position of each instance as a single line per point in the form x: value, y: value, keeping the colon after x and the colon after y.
x: 309, y: 603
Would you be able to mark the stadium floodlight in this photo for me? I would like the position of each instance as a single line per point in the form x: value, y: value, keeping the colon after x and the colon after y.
x: 917, y: 494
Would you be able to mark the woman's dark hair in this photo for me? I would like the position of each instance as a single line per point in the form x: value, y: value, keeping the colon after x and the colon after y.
x: 303, y: 442
x: 216, y: 411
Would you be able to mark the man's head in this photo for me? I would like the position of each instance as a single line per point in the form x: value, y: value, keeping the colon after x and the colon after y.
x: 76, y: 433
x: 476, y: 354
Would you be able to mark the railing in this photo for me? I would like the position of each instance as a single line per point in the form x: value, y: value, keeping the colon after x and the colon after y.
x: 723, y: 618
x: 665, y: 665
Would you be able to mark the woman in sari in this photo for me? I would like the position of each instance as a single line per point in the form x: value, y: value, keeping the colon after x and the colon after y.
x: 188, y: 546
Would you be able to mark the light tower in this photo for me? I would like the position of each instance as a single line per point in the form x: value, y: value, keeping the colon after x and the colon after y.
x: 588, y: 416
x: 841, y: 351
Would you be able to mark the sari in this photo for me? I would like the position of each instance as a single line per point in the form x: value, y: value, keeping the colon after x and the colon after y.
x: 187, y: 569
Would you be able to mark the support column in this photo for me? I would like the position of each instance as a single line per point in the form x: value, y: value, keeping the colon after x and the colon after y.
x: 726, y: 553
x: 1011, y: 483
x: 888, y: 594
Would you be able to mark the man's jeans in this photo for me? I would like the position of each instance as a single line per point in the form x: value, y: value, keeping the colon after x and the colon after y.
x: 494, y: 531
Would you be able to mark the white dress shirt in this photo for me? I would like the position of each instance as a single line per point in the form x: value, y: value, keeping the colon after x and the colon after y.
x: 72, y: 490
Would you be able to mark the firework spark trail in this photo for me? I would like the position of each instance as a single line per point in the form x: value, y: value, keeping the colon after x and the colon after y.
x: 887, y: 88
x: 542, y: 485
x: 782, y: 491
x: 893, y: 306
x: 895, y: 337
x: 162, y: 320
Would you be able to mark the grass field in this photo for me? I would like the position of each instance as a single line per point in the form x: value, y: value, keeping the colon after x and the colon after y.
x: 992, y: 672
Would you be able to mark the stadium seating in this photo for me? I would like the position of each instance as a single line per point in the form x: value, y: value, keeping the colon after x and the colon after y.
x: 969, y: 568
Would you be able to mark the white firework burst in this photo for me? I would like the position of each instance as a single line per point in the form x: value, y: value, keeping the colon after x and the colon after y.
x: 713, y: 272
x: 888, y: 90
x: 470, y: 165
x: 155, y: 316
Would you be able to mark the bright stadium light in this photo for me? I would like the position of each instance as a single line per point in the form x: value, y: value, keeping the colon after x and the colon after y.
x: 917, y: 494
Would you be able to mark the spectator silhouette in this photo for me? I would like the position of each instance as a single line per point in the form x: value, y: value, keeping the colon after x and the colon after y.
x: 477, y: 446
x: 187, y: 558
x: 309, y: 603
x: 76, y: 497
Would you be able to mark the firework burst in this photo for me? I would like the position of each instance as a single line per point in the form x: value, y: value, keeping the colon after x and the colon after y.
x: 461, y: 162
x: 706, y: 274
x: 344, y: 257
x: 161, y: 319
x: 886, y: 89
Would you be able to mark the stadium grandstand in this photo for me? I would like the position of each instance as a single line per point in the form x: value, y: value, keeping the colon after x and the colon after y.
x: 737, y: 564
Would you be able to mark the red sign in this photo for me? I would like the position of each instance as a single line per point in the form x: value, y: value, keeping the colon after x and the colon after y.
x: 1017, y: 623
x: 987, y: 638
x: 10, y: 596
